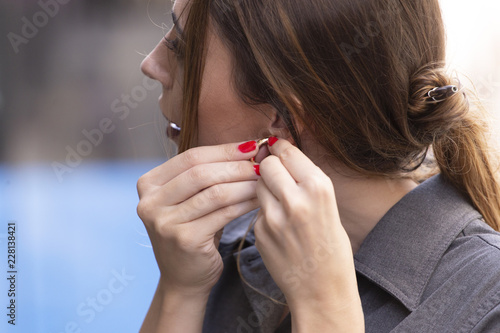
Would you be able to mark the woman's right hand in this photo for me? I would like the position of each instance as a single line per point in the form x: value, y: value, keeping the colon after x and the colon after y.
x: 186, y: 202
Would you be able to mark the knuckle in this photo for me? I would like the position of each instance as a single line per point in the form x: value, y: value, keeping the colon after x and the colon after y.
x: 228, y: 152
x: 223, y: 175
x: 287, y: 153
x: 216, y: 193
x: 271, y: 217
x: 192, y: 157
x: 197, y: 174
x: 148, y: 212
x: 318, y: 183
x: 273, y: 224
x: 297, y: 207
x: 227, y: 212
x: 145, y: 209
x: 290, y: 201
x: 142, y: 184
x: 242, y: 169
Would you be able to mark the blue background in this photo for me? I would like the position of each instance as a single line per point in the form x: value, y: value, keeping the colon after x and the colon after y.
x: 71, y: 237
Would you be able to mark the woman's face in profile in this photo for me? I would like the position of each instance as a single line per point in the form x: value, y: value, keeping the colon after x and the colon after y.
x: 222, y: 116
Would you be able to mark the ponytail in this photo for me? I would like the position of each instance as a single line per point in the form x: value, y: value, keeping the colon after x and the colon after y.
x: 457, y: 133
x: 462, y: 157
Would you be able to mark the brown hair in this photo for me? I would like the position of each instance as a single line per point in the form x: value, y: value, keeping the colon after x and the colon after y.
x: 361, y: 71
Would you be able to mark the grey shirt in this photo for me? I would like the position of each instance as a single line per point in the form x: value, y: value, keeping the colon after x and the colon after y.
x: 431, y: 264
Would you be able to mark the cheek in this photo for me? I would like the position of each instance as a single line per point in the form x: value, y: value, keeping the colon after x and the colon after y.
x: 220, y: 112
x: 224, y: 118
x: 221, y: 119
x: 222, y: 115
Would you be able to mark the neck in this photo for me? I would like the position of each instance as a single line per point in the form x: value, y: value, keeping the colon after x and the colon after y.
x: 362, y: 202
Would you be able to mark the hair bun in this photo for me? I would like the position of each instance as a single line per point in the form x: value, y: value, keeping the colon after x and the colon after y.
x: 430, y: 119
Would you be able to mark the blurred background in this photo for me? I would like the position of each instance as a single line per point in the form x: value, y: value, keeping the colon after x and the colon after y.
x: 79, y: 124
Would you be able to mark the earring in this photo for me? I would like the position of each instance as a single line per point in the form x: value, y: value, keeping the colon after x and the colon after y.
x: 260, y: 143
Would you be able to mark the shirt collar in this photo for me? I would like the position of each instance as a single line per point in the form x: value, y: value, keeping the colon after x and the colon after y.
x: 403, y: 249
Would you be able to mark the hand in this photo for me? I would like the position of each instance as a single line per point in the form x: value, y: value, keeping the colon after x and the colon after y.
x: 299, y: 234
x: 186, y: 202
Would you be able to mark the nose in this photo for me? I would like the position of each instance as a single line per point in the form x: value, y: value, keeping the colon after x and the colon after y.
x: 157, y: 65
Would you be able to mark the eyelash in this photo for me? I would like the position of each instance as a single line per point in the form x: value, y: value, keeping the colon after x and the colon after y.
x: 173, y: 45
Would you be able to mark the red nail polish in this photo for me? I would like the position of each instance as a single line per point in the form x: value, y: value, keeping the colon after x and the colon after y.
x: 247, y: 146
x: 272, y: 141
x: 257, y: 169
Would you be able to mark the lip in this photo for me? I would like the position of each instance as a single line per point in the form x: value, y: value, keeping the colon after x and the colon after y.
x: 173, y: 129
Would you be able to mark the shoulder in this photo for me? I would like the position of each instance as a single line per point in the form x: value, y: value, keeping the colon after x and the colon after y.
x: 433, y: 254
x: 479, y: 231
x: 477, y: 246
x: 464, y: 289
x: 475, y: 252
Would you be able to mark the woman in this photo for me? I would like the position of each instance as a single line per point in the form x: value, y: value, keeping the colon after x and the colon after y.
x: 351, y: 94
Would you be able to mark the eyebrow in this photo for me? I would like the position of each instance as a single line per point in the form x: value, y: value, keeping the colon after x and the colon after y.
x: 176, y: 24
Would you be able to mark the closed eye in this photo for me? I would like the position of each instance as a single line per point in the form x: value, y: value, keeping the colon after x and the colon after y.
x: 175, y: 45
x: 171, y: 44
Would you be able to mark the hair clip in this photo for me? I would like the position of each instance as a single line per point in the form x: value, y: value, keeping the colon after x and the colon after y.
x: 439, y: 94
x: 260, y: 143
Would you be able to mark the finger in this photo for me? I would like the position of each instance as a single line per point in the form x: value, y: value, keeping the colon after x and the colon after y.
x: 277, y: 178
x: 196, y: 156
x: 295, y: 161
x: 271, y: 216
x: 267, y: 199
x: 200, y: 177
x: 265, y: 234
x: 215, y: 198
x: 210, y: 224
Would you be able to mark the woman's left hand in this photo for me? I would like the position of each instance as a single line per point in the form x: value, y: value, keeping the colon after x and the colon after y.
x: 300, y: 236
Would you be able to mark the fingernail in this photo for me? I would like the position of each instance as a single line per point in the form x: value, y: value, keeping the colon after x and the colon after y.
x: 247, y: 146
x: 272, y: 141
x: 257, y: 169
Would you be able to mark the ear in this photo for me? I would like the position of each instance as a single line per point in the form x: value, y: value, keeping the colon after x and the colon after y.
x: 287, y: 116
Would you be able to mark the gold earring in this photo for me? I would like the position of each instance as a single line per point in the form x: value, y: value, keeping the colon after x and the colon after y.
x: 260, y: 143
